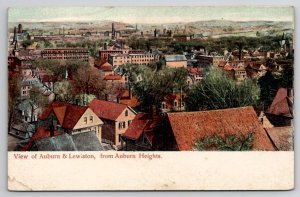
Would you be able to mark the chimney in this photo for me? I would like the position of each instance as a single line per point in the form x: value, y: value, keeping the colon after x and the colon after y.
x: 130, y: 92
x: 153, y: 111
x: 290, y: 92
x: 52, y: 129
x: 106, y: 97
x: 118, y: 99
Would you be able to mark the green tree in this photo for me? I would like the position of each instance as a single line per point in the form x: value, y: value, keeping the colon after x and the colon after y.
x: 219, y: 91
x: 227, y: 143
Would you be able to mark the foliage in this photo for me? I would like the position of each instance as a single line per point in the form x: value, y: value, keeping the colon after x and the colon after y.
x: 219, y: 91
x: 227, y: 143
x: 151, y: 85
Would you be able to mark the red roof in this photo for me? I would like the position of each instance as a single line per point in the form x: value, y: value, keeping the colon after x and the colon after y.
x: 137, y: 126
x: 281, y: 105
x: 67, y: 114
x: 126, y: 100
x: 222, y: 63
x: 282, y: 137
x: 228, y: 67
x: 188, y: 127
x: 106, y: 109
x: 113, y: 77
x: 40, y: 133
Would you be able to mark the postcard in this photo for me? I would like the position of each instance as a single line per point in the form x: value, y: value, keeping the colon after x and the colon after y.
x: 151, y: 98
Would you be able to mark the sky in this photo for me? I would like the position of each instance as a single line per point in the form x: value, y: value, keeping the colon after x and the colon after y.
x: 150, y: 14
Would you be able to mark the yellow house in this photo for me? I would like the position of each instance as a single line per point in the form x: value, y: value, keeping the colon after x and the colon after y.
x: 72, y: 119
x: 116, y: 117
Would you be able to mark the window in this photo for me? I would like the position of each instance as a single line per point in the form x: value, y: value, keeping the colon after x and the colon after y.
x: 91, y: 119
x: 119, y: 137
x: 126, y: 113
x: 129, y: 122
x: 121, y: 125
x: 175, y: 103
x: 85, y: 120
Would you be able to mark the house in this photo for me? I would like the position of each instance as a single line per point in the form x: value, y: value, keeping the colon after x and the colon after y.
x: 282, y: 137
x: 23, y: 130
x: 176, y: 61
x: 28, y: 111
x: 126, y: 98
x: 116, y: 80
x: 186, y: 128
x: 173, y: 102
x: 143, y: 132
x: 280, y: 113
x: 71, y: 119
x: 106, y: 69
x: 116, y: 117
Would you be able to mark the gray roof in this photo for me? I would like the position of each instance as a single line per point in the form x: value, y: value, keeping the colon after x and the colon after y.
x: 174, y: 58
x: 86, y: 141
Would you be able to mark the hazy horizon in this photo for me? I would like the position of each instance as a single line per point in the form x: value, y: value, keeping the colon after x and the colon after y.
x: 155, y: 15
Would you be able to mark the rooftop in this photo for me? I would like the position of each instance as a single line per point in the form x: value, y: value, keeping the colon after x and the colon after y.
x: 188, y: 127
x: 174, y: 58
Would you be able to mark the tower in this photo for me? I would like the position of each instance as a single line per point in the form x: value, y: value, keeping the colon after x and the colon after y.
x: 20, y: 28
x: 112, y: 31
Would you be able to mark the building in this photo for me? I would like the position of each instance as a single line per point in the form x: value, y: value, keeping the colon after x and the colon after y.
x: 208, y: 60
x: 176, y: 61
x: 115, y: 80
x: 186, y: 128
x: 116, y: 117
x: 71, y: 119
x: 104, y: 53
x: 139, y: 59
x: 173, y: 102
x: 81, y: 54
x: 44, y: 140
x: 143, y: 133
x: 280, y: 113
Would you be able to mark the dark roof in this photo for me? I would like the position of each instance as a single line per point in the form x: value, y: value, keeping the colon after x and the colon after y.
x: 188, y: 127
x: 86, y: 141
x: 282, y: 137
x: 282, y: 104
x: 106, y: 109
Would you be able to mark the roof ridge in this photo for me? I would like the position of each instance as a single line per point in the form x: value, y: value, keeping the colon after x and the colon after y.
x: 191, y: 112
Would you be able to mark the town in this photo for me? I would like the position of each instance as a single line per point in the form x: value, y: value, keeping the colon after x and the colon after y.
x: 137, y: 87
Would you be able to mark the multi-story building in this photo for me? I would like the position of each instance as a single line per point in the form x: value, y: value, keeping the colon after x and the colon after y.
x: 116, y: 117
x: 140, y: 59
x: 66, y: 54
x: 208, y: 60
x: 105, y: 52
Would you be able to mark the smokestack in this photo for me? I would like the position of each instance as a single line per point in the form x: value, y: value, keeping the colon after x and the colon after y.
x: 130, y: 92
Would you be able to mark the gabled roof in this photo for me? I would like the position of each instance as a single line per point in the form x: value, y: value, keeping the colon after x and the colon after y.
x: 67, y: 114
x: 188, y: 127
x: 106, y: 109
x: 137, y: 126
x: 126, y: 100
x: 281, y: 105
